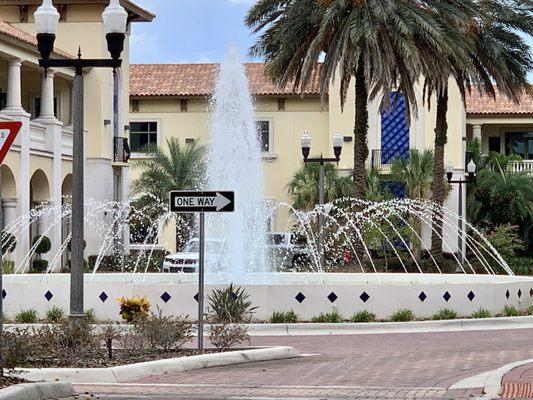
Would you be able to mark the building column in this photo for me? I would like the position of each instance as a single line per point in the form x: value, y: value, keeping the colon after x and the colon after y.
x: 14, y: 88
x: 47, y: 95
x: 10, y: 210
x: 477, y: 132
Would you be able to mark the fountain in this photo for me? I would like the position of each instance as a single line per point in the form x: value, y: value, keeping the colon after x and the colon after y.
x: 382, y: 274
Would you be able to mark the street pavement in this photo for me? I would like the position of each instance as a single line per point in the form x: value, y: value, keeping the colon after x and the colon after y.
x: 381, y: 366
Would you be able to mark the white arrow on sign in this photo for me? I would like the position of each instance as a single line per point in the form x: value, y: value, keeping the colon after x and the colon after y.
x: 219, y: 201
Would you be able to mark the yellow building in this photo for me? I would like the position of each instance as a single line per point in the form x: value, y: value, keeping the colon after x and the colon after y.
x: 38, y: 168
x: 172, y: 100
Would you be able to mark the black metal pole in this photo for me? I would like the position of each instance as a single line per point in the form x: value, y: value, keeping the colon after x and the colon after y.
x: 201, y: 273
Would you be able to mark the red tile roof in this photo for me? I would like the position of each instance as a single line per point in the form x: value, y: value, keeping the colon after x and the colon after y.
x: 18, y: 34
x: 198, y: 80
x: 484, y: 104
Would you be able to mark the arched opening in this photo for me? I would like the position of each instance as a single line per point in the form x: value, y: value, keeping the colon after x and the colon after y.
x: 39, y: 197
x: 66, y: 196
x: 9, y: 186
x: 8, y: 196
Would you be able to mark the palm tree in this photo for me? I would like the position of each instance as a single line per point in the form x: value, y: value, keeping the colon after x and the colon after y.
x: 303, y: 187
x: 175, y: 168
x: 416, y: 173
x: 385, y: 45
x: 497, y: 55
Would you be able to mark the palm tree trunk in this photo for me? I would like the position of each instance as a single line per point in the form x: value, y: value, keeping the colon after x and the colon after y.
x: 441, y: 138
x: 360, y: 153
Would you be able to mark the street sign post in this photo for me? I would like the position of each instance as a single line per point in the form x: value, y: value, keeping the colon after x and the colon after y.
x: 182, y: 201
x: 8, y: 132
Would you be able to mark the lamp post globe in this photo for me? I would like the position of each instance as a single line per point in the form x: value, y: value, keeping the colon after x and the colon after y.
x: 115, y: 20
x: 337, y: 145
x: 46, y: 22
x: 305, y: 143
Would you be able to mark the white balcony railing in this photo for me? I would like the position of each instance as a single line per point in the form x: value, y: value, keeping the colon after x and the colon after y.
x: 521, y: 166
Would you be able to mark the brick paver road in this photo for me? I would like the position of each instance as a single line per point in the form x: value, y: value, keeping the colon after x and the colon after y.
x: 518, y: 383
x: 404, y: 366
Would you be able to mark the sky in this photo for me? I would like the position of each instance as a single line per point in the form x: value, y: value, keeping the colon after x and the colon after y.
x: 191, y: 31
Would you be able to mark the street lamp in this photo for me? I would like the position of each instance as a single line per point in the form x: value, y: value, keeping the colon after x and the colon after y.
x: 305, y: 143
x: 115, y: 20
x: 470, y: 177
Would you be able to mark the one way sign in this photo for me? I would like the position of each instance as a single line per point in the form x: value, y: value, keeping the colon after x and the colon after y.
x: 191, y: 202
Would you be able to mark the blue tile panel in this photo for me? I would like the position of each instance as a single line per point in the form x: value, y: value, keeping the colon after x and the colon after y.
x: 394, y: 129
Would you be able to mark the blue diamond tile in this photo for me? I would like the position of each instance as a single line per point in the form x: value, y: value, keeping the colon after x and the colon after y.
x: 103, y: 297
x: 447, y: 296
x: 507, y: 294
x: 422, y: 296
x: 519, y: 293
x: 196, y: 297
x: 300, y: 297
x: 364, y: 297
x: 48, y: 295
x: 531, y: 292
x: 471, y: 296
x: 332, y: 297
x: 166, y: 297
x: 4, y: 294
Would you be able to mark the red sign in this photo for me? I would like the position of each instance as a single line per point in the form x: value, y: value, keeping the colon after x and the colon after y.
x: 8, y: 133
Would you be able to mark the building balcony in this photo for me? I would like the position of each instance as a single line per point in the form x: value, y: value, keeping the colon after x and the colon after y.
x: 521, y: 166
x: 382, y: 158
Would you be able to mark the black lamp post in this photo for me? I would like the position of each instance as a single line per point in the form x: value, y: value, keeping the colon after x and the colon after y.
x: 305, y: 143
x: 115, y: 20
x: 470, y: 177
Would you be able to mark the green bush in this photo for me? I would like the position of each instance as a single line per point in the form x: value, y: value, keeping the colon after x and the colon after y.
x: 230, y: 305
x: 42, y: 243
x: 510, y: 311
x: 521, y: 265
x: 15, y: 348
x: 445, y: 313
x: 90, y: 316
x: 529, y: 310
x: 54, y: 315
x: 332, y: 317
x: 364, y: 316
x: 481, y: 313
x: 8, y: 267
x: 39, y: 265
x: 224, y: 336
x: 27, y: 316
x: 284, y: 317
x: 402, y: 315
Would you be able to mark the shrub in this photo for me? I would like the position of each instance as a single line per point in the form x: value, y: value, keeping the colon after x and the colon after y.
x: 8, y: 267
x: 230, y: 305
x: 134, y: 307
x: 402, y: 315
x: 364, y: 316
x: 90, y: 316
x: 506, y: 240
x: 510, y: 311
x: 42, y: 243
x: 27, y: 316
x: 481, y: 313
x: 16, y: 350
x: 445, y: 313
x: 225, y: 336
x: 164, y: 333
x: 529, y: 310
x: 521, y: 265
x: 54, y: 315
x: 332, y: 317
x: 284, y: 317
x: 39, y: 265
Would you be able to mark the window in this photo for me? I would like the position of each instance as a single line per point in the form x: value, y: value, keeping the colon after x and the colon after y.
x: 520, y: 143
x: 263, y: 134
x: 494, y: 144
x: 143, y: 136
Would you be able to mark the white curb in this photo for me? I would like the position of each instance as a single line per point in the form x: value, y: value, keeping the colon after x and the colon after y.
x: 491, y: 381
x: 37, y: 391
x: 131, y: 372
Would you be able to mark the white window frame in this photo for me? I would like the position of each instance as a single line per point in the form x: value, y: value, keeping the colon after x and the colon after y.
x: 270, y: 134
x: 136, y: 154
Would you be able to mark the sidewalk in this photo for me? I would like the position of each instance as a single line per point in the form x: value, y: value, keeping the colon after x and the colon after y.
x: 518, y: 383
